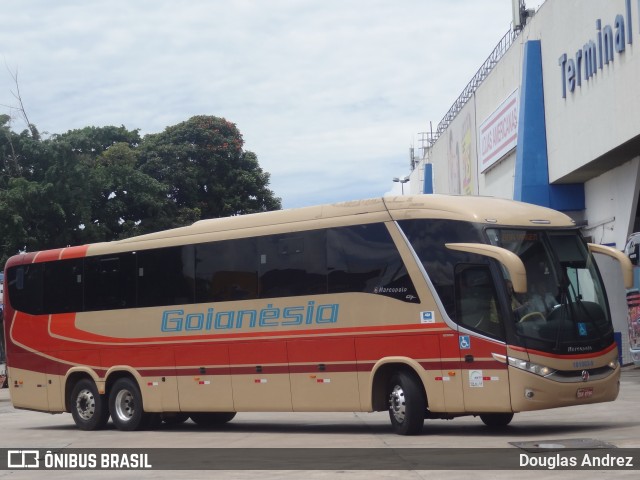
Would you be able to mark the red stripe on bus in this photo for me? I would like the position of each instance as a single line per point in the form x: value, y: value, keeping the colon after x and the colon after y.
x: 74, y: 252
x: 31, y: 331
x: 48, y: 255
x: 565, y: 356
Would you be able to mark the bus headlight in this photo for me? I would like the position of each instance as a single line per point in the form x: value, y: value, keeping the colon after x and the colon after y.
x: 530, y: 367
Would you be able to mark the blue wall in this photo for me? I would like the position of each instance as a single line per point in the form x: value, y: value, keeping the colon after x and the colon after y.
x: 532, y: 161
x: 427, y: 185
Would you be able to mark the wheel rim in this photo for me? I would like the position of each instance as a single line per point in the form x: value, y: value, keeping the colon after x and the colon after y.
x: 125, y: 406
x: 397, y: 404
x: 85, y: 404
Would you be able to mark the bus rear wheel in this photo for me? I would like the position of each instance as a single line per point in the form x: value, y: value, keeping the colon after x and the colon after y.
x: 407, y: 404
x: 88, y: 408
x: 210, y: 419
x: 496, y: 420
x: 125, y: 404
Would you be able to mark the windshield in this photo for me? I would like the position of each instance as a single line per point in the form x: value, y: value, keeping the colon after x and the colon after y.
x: 564, y: 309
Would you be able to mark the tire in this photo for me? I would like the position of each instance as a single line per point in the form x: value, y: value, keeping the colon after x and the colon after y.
x: 407, y: 404
x: 174, y: 418
x: 496, y: 420
x: 125, y: 404
x: 210, y: 419
x: 88, y: 408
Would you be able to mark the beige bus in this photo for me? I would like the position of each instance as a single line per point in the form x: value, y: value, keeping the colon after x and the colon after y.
x: 423, y: 306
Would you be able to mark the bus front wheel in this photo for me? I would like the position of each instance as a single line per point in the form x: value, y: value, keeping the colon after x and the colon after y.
x: 125, y: 404
x: 407, y: 404
x: 88, y: 408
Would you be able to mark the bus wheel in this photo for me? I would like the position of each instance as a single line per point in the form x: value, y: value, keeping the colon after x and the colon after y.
x: 210, y: 419
x: 175, y: 418
x: 88, y: 408
x: 407, y: 404
x: 125, y: 404
x: 496, y: 420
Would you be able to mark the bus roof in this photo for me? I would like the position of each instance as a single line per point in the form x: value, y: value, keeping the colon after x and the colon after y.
x: 465, y: 208
x: 476, y: 209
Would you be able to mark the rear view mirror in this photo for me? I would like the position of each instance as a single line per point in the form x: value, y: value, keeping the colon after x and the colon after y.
x: 508, y: 259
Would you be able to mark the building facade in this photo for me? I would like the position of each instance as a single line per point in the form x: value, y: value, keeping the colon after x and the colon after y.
x: 555, y: 121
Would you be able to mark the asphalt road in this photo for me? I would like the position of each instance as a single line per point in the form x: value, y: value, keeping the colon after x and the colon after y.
x: 616, y: 424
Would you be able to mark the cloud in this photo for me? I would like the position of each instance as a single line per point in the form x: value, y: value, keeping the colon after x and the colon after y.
x: 329, y: 94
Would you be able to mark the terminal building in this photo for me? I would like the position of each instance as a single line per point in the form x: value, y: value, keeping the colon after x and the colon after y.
x: 553, y: 118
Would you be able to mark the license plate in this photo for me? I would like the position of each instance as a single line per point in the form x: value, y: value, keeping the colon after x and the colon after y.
x: 584, y: 392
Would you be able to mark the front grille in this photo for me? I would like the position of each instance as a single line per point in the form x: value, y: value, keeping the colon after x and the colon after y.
x: 577, y: 376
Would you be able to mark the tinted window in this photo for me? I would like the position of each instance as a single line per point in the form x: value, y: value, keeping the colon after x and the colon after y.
x: 63, y: 285
x: 25, y: 284
x: 428, y: 239
x: 293, y: 264
x: 477, y: 303
x: 110, y: 282
x: 364, y: 258
x: 227, y: 270
x: 347, y: 259
x: 166, y: 276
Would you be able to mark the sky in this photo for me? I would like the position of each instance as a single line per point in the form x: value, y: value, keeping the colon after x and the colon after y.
x: 329, y: 94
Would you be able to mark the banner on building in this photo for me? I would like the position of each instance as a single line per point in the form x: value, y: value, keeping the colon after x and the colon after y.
x: 498, y: 134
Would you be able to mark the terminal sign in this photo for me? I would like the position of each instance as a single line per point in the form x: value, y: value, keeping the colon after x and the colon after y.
x: 596, y: 53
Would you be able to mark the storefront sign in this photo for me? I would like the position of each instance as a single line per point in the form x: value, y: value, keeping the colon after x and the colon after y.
x: 498, y: 134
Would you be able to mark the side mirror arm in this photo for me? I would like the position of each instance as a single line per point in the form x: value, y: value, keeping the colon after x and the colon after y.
x: 625, y: 263
x: 510, y: 260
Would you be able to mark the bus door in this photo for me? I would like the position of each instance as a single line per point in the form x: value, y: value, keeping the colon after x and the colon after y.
x: 481, y: 340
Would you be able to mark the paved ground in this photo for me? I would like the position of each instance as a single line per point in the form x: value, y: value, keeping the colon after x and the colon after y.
x: 616, y: 423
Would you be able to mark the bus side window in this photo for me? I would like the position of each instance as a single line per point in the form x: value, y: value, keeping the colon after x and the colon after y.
x: 428, y: 238
x: 227, y: 270
x: 25, y: 284
x: 109, y: 282
x: 364, y: 258
x: 63, y: 286
x: 293, y: 264
x: 476, y: 300
x: 166, y: 276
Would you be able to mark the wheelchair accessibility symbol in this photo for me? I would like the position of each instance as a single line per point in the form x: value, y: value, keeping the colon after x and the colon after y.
x: 465, y: 342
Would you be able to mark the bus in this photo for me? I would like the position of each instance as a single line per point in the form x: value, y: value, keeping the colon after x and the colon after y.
x: 424, y: 306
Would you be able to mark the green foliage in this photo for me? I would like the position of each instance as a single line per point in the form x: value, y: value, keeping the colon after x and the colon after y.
x: 203, y: 162
x: 27, y: 215
x: 106, y: 183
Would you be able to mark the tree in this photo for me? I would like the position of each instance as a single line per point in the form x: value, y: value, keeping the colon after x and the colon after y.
x: 28, y: 216
x: 93, y: 141
x: 106, y: 183
x: 206, y: 169
x: 75, y: 188
x: 128, y: 201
